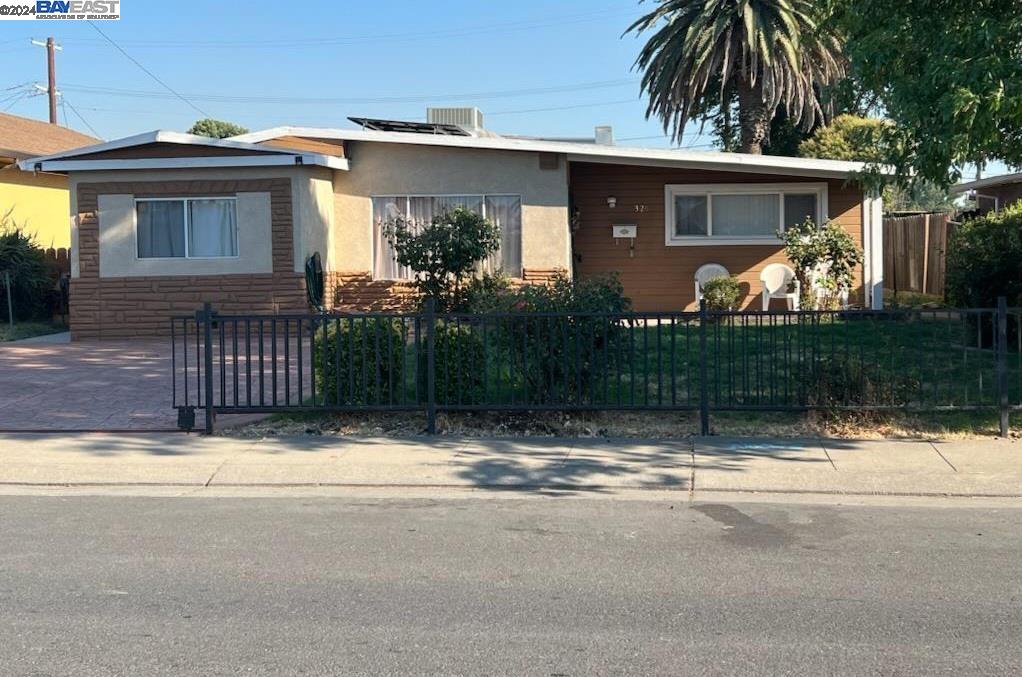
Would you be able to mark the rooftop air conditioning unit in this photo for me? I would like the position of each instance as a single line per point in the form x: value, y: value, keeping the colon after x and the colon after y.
x: 469, y: 118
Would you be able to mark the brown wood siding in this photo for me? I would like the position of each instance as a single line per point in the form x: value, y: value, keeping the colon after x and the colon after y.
x: 165, y: 150
x: 662, y: 278
x: 142, y: 306
x: 307, y: 145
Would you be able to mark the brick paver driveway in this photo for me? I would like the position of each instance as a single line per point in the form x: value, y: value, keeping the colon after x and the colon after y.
x: 108, y: 385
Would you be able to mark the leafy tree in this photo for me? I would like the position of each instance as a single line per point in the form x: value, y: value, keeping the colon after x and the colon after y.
x: 949, y: 75
x: 823, y: 257
x: 216, y: 129
x: 847, y: 137
x: 764, y: 54
x: 855, y: 138
x: 443, y: 252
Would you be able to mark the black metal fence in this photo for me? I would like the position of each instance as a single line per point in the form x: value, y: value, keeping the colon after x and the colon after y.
x: 912, y: 360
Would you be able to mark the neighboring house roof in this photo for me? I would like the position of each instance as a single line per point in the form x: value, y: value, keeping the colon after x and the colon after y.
x: 583, y: 152
x: 248, y: 155
x: 979, y: 184
x: 22, y: 138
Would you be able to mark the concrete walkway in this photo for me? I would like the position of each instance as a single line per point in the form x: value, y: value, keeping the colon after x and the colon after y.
x: 988, y: 468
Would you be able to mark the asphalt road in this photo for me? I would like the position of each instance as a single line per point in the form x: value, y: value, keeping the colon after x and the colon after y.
x: 188, y: 586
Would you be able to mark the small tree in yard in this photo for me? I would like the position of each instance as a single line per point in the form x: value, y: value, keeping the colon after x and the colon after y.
x: 829, y: 254
x: 444, y: 252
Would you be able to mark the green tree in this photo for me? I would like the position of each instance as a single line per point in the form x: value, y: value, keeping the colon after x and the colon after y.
x: 216, y: 129
x: 859, y: 139
x: 950, y: 79
x: 444, y: 252
x: 764, y: 54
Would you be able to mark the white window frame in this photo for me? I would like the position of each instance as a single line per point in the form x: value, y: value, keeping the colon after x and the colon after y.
x: 407, y: 198
x: 708, y: 190
x: 186, y: 200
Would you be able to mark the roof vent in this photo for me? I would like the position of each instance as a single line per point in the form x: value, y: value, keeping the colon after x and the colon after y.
x: 604, y: 135
x: 469, y: 118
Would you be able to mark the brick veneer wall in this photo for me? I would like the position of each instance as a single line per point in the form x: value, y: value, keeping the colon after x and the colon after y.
x: 358, y: 291
x: 117, y: 307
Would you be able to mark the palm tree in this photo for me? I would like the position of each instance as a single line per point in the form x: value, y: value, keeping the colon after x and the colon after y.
x: 764, y: 53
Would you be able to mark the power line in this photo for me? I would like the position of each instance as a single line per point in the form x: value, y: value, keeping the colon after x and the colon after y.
x: 17, y: 99
x: 478, y: 29
x: 427, y: 98
x: 147, y: 71
x: 80, y: 117
x: 594, y: 104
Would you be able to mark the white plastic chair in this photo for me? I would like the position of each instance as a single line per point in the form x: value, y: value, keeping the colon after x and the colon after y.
x: 707, y: 272
x: 776, y: 278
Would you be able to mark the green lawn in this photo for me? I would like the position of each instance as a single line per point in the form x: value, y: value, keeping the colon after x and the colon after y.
x: 753, y: 362
x: 28, y: 329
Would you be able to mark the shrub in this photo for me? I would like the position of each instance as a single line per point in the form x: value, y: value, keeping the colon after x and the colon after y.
x: 365, y: 357
x: 444, y: 252
x: 984, y: 260
x: 487, y: 293
x: 722, y: 293
x: 460, y: 364
x: 829, y: 251
x: 553, y: 357
x: 26, y: 263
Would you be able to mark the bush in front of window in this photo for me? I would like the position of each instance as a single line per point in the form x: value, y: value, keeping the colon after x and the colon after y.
x: 25, y: 261
x: 825, y: 259
x: 360, y: 362
x: 443, y: 253
x: 722, y: 293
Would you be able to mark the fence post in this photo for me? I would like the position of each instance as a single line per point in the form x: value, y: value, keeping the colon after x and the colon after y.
x: 1002, y: 362
x: 704, y: 386
x: 207, y: 363
x: 10, y: 303
x: 431, y: 366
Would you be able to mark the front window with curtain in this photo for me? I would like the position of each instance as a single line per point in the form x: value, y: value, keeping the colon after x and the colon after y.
x: 740, y: 213
x: 193, y: 228
x: 505, y: 211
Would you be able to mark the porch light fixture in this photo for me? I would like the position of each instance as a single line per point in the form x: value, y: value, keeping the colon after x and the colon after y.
x: 612, y: 202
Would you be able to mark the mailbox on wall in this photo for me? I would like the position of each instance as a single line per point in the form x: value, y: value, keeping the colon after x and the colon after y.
x: 626, y: 230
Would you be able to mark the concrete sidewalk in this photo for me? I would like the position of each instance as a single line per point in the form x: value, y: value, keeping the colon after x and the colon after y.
x: 988, y: 468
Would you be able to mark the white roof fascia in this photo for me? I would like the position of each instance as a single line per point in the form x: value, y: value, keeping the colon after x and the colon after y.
x: 582, y: 152
x: 158, y: 136
x: 187, y: 162
x: 987, y: 182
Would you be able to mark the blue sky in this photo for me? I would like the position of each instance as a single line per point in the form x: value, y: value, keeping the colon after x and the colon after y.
x: 532, y: 67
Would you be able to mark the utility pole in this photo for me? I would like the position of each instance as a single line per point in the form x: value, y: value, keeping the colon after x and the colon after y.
x: 51, y: 74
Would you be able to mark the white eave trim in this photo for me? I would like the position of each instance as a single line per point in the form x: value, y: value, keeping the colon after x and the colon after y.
x: 987, y: 182
x: 287, y: 160
x: 583, y: 152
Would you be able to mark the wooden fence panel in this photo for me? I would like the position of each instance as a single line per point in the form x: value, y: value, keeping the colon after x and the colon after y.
x: 915, y: 253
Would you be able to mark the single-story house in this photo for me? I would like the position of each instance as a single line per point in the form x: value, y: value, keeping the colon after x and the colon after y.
x: 994, y: 193
x: 37, y: 201
x: 164, y: 221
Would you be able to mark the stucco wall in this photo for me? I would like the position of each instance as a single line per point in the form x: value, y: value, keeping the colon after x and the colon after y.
x: 395, y: 169
x: 39, y: 202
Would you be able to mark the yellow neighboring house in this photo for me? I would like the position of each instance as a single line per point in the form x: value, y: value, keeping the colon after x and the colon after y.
x: 36, y: 200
